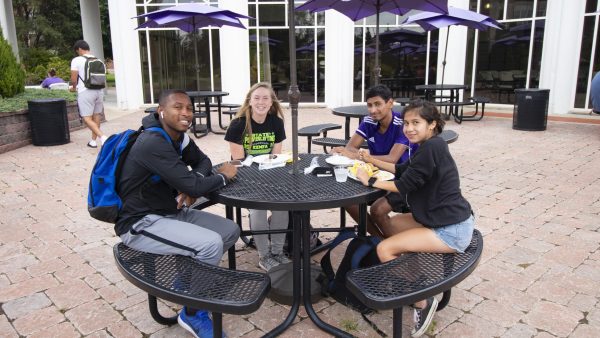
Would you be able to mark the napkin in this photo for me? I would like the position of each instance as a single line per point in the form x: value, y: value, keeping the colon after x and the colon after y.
x: 271, y: 165
x: 313, y: 164
x: 248, y: 161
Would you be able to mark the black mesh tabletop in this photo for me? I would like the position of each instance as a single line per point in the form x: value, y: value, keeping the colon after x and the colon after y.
x: 413, y: 276
x: 183, y: 280
x: 279, y: 189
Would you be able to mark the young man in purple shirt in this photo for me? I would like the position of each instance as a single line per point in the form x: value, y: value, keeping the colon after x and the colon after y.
x: 382, y: 130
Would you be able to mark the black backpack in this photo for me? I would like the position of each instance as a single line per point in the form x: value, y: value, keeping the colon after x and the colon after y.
x: 361, y: 252
x: 94, y: 73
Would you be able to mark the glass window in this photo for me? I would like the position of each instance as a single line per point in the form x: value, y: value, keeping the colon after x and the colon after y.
x: 403, y: 59
x: 583, y: 74
x: 519, y: 9
x: 591, y: 6
x: 173, y: 64
x: 272, y: 15
x: 493, y: 9
x: 502, y: 58
x: 269, y: 54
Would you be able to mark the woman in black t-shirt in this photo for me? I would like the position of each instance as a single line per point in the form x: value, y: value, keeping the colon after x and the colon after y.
x: 258, y: 129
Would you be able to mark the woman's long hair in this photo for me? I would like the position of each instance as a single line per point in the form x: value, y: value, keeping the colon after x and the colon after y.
x: 246, y: 110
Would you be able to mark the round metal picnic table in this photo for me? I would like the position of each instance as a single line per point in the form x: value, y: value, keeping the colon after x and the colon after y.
x: 279, y: 189
x: 206, y: 95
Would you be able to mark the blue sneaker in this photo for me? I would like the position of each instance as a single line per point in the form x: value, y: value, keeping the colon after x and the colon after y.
x: 200, y: 325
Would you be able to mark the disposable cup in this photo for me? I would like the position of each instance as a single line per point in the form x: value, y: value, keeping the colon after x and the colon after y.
x: 341, y: 173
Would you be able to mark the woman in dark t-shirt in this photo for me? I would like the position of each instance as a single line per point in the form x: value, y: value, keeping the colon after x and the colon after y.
x: 258, y: 129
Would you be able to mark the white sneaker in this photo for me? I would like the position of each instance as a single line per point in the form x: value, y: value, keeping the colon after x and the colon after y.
x: 92, y: 144
x: 103, y: 139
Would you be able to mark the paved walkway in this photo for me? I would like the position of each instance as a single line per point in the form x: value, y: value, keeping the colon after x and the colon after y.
x: 536, y: 196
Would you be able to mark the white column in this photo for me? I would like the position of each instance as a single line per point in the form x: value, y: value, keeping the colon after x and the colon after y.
x: 235, y: 55
x: 457, y: 44
x: 90, y: 24
x: 560, y: 54
x: 7, y: 23
x: 339, y: 59
x: 126, y: 54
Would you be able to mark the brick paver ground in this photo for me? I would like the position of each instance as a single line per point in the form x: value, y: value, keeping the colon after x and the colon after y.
x: 536, y: 196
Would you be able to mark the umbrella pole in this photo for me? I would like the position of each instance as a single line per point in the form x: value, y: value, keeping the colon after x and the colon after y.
x: 445, y: 52
x: 197, y: 66
x: 377, y: 66
x: 293, y: 93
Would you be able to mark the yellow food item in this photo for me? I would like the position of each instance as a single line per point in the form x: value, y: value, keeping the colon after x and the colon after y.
x: 368, y: 167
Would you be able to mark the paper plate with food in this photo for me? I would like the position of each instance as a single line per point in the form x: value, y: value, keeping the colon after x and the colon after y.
x: 371, y: 170
x: 337, y: 159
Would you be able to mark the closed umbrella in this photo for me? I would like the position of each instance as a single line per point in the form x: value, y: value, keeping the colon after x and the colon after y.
x: 359, y: 9
x: 190, y: 17
x: 456, y: 16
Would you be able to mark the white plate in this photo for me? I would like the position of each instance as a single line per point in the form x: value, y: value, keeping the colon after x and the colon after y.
x: 264, y: 159
x: 381, y: 175
x: 339, y: 160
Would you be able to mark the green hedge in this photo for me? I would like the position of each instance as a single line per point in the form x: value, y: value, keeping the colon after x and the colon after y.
x: 12, y: 76
x: 19, y: 101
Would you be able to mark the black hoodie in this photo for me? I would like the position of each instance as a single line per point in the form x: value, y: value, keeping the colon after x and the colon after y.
x: 153, y: 155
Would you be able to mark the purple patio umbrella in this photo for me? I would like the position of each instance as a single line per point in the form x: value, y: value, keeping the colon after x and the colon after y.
x: 190, y: 17
x: 359, y: 9
x: 456, y: 16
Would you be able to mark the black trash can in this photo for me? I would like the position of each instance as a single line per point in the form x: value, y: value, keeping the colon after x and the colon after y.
x: 49, y: 122
x: 531, y: 109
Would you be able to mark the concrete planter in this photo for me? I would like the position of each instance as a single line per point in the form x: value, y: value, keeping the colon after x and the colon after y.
x: 15, y: 130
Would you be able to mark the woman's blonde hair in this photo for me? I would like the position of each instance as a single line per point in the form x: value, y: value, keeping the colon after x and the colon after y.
x: 246, y: 110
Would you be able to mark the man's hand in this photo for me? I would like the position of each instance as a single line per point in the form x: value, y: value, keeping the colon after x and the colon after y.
x: 184, y: 200
x: 228, y: 170
x: 364, y: 156
x: 344, y: 152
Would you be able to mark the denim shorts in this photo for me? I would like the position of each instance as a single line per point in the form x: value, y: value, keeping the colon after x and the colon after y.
x: 457, y: 236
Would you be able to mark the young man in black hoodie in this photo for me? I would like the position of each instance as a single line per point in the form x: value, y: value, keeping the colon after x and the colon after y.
x: 156, y: 188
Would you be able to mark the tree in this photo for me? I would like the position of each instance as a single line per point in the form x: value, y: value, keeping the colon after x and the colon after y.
x: 12, y: 77
x: 48, y: 28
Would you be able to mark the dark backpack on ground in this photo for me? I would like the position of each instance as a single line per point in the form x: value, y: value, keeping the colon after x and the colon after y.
x: 94, y: 73
x: 361, y: 252
x: 104, y: 202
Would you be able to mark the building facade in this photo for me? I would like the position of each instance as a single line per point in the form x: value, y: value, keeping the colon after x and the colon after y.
x: 549, y: 44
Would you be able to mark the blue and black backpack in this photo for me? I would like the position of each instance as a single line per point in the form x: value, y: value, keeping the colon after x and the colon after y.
x: 360, y: 253
x: 104, y: 202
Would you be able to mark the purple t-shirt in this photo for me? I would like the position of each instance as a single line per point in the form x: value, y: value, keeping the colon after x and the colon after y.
x: 51, y: 80
x: 381, y: 144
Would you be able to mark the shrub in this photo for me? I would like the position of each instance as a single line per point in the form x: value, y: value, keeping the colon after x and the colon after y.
x: 12, y: 77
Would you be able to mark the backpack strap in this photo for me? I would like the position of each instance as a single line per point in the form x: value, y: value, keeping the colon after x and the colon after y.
x: 167, y: 137
x: 326, y: 260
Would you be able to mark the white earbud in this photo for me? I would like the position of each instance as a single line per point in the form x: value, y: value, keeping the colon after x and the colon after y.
x: 162, y: 115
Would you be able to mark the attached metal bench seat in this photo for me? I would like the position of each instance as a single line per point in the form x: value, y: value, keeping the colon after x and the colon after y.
x: 449, y: 135
x: 334, y: 142
x: 186, y: 281
x: 413, y: 277
x: 316, y: 130
x: 458, y: 115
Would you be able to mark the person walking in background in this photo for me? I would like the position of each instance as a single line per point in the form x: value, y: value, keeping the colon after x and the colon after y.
x: 595, y: 94
x: 51, y: 79
x: 441, y: 219
x: 89, y: 101
x: 256, y: 130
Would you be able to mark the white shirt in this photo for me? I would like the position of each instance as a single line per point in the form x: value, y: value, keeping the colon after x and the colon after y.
x: 78, y: 64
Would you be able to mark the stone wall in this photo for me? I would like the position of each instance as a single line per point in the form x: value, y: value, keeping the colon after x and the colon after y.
x: 15, y: 130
